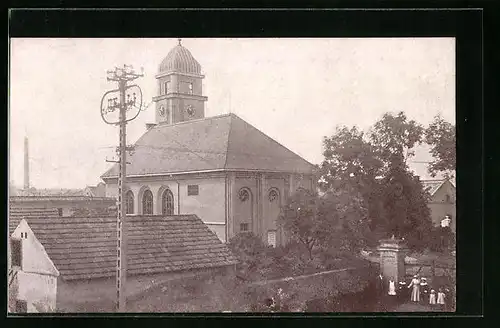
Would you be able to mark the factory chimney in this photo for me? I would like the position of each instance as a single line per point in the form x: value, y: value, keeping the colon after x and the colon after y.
x: 26, y: 165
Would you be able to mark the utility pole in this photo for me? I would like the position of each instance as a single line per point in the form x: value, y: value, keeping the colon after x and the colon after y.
x: 127, y: 103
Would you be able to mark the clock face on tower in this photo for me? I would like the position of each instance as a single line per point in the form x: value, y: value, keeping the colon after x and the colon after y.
x: 190, y: 110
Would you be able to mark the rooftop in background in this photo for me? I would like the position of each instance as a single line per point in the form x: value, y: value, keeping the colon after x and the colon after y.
x: 433, y: 185
x: 90, y: 191
x: 50, y: 192
x: 224, y: 142
x: 85, y: 248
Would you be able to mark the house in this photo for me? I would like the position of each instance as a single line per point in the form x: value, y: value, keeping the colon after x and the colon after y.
x: 32, y: 276
x: 78, y: 256
x: 64, y: 200
x: 442, y: 202
x: 96, y: 191
x: 221, y: 168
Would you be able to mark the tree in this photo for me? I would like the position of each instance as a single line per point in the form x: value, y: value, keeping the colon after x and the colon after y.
x: 394, y: 136
x: 403, y: 197
x: 370, y: 171
x: 349, y: 171
x: 440, y: 135
x: 308, y: 218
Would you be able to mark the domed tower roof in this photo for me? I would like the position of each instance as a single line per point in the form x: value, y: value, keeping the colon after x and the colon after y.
x: 180, y: 60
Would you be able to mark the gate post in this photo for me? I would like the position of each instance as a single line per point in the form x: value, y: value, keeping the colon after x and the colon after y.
x: 392, y: 259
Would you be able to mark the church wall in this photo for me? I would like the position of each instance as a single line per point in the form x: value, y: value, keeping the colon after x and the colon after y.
x: 263, y: 213
x: 208, y: 205
x: 244, y: 212
x: 271, y: 210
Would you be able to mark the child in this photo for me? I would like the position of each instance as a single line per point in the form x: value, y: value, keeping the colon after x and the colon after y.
x: 392, y: 291
x: 432, y: 299
x: 440, y: 299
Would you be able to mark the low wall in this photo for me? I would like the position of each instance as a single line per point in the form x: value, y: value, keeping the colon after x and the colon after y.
x: 99, y: 295
x: 301, y: 289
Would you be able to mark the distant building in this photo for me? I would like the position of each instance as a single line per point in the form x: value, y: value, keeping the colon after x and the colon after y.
x: 69, y: 264
x: 230, y: 174
x: 65, y: 205
x: 96, y: 191
x: 64, y: 200
x: 442, y: 203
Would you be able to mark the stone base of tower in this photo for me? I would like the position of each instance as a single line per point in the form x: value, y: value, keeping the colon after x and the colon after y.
x: 392, y: 259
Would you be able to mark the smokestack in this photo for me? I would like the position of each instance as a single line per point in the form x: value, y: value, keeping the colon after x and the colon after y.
x: 26, y: 165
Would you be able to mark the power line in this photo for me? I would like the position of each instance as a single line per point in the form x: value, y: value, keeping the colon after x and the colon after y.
x: 123, y: 103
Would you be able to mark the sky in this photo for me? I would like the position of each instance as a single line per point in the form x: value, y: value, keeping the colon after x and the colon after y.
x: 294, y: 90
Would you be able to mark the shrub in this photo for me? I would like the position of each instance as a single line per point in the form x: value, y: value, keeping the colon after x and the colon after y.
x: 442, y: 239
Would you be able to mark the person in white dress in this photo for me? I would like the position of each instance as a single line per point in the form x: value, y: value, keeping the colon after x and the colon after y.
x: 392, y: 292
x: 392, y: 287
x: 415, y: 293
x: 441, y: 299
x: 432, y: 298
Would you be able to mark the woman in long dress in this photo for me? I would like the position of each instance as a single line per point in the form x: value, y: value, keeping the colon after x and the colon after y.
x: 415, y: 293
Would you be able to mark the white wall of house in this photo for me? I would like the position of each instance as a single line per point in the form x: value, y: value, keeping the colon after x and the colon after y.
x: 36, y: 280
x: 440, y: 205
x: 38, y: 290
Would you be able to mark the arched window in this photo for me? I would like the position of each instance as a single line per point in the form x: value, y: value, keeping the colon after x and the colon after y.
x: 167, y: 203
x: 147, y: 202
x: 129, y: 202
x: 273, y: 196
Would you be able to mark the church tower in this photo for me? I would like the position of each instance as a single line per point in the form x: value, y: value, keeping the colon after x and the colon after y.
x: 180, y: 96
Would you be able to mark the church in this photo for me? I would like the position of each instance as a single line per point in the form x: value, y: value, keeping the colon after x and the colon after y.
x: 221, y: 168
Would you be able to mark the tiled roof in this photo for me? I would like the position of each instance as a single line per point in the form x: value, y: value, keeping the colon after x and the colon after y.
x: 180, y: 59
x: 433, y: 185
x: 85, y: 248
x: 51, y: 192
x: 17, y: 214
x: 214, y: 143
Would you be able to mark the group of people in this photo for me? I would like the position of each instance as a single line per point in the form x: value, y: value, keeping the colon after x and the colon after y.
x: 421, y: 292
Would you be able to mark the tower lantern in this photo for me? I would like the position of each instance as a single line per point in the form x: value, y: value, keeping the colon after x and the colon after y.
x: 180, y: 95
